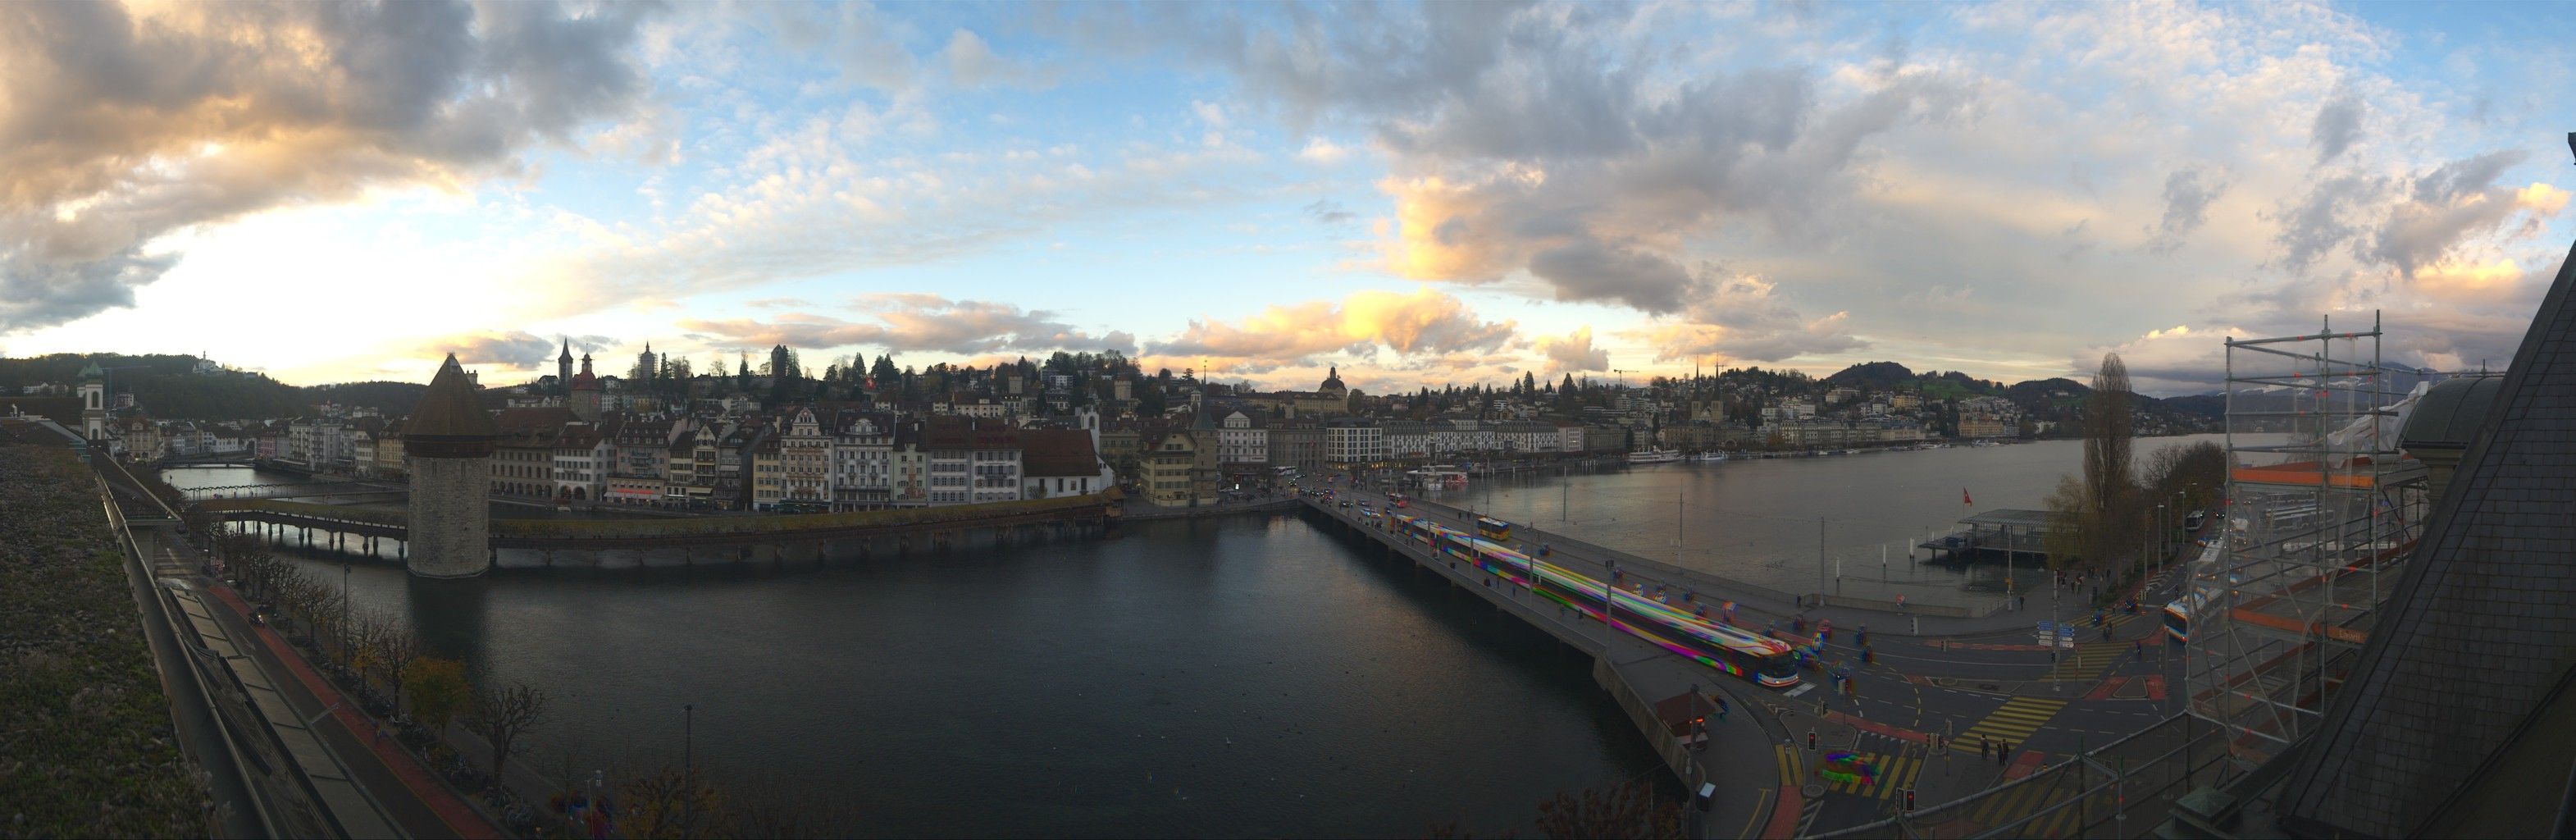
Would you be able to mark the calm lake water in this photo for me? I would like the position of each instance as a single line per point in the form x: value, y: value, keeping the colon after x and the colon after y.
x: 1236, y: 677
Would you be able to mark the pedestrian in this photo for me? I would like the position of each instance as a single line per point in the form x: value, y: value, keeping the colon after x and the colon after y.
x: 2139, y: 647
x: 1985, y: 750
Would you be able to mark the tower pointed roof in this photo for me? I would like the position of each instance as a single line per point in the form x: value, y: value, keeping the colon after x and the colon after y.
x: 449, y: 409
x: 566, y: 358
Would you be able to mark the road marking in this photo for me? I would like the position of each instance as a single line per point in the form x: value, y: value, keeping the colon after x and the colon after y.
x: 2022, y: 801
x: 1761, y: 801
x: 2089, y: 661
x: 2015, y: 720
x: 1894, y: 771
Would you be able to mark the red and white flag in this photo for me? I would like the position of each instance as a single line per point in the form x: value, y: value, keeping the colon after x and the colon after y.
x: 1963, y: 497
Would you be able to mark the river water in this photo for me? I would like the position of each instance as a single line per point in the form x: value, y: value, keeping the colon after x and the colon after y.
x: 1235, y: 677
x: 1249, y: 676
x: 1761, y: 521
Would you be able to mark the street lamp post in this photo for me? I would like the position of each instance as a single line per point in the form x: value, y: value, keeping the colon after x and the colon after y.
x: 688, y: 768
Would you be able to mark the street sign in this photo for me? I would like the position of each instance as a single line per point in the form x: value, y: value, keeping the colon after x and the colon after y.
x: 2066, y: 637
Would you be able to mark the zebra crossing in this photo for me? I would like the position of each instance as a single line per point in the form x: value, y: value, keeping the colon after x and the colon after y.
x: 1894, y: 771
x: 2014, y: 721
x: 2030, y: 800
x: 2088, y: 661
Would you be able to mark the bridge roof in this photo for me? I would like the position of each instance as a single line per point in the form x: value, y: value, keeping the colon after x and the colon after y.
x: 2036, y: 520
x: 449, y: 409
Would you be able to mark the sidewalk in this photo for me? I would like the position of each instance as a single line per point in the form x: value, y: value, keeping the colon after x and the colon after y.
x: 1138, y: 510
x: 1756, y: 606
x: 453, y: 814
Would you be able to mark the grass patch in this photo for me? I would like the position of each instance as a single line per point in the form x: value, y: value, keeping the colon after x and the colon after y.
x: 87, y: 748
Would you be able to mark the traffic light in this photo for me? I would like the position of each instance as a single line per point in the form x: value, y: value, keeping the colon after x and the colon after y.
x: 1811, y: 740
x: 1909, y: 800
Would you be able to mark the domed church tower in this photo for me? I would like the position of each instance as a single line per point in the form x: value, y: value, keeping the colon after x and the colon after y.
x: 1332, y: 386
x: 449, y: 443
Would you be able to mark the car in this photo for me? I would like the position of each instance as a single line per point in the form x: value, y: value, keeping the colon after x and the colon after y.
x: 1346, y: 503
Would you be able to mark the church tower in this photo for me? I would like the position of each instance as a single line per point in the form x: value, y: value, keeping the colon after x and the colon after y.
x: 585, y: 393
x: 93, y: 391
x: 449, y: 443
x: 563, y: 366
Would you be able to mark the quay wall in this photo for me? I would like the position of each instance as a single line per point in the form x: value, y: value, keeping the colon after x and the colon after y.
x: 1611, y: 675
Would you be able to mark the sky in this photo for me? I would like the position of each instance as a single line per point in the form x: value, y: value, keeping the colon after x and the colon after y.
x: 1417, y: 194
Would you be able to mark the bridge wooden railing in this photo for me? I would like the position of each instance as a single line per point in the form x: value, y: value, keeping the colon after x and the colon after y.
x: 704, y: 527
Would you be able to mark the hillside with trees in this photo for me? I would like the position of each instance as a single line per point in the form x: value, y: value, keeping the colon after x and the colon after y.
x: 169, y: 387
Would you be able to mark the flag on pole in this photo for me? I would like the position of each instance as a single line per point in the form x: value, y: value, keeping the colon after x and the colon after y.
x: 1963, y: 497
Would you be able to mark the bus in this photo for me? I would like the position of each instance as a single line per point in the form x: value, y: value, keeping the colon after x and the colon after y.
x: 1493, y: 529
x: 1762, y: 660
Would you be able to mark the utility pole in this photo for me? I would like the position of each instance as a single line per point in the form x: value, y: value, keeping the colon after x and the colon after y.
x: 1820, y: 560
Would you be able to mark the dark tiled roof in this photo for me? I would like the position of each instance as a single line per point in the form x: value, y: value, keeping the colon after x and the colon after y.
x: 1057, y: 453
x: 523, y: 419
x: 449, y: 409
x: 2480, y: 632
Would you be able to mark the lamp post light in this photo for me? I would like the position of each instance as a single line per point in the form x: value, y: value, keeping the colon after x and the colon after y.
x: 344, y: 611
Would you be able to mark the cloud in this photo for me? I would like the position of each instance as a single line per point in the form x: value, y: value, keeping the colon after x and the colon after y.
x: 518, y: 349
x: 1562, y: 142
x: 2338, y: 124
x: 1329, y: 212
x: 916, y: 321
x: 122, y: 124
x: 2188, y: 194
x: 973, y: 64
x: 1425, y: 322
x: 1737, y: 317
x: 1573, y: 352
x: 2179, y: 359
x: 2448, y: 205
x: 2316, y: 224
x: 1322, y: 151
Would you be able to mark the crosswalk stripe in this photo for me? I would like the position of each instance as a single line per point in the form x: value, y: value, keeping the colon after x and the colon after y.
x: 1789, y: 775
x: 2016, y: 719
x: 1902, y: 773
x: 1894, y: 771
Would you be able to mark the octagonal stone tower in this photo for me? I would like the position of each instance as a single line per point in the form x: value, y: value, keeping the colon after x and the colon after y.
x: 449, y: 442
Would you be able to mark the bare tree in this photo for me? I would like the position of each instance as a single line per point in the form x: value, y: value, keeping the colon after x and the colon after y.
x: 2110, y: 482
x: 666, y: 803
x: 501, y: 715
x: 1625, y: 809
x: 396, y: 649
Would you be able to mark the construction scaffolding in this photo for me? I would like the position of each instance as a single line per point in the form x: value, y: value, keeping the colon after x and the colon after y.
x: 2322, y: 508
